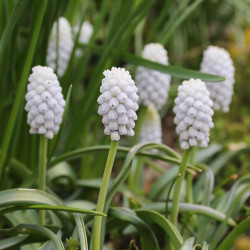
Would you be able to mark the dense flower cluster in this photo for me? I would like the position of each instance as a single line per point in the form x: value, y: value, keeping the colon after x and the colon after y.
x: 65, y: 46
x: 151, y: 128
x: 118, y: 103
x: 217, y: 61
x: 85, y: 34
x: 153, y: 86
x: 193, y: 114
x: 45, y: 103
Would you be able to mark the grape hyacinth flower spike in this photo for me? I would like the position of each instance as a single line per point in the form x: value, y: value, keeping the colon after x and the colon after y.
x: 193, y: 114
x: 153, y: 86
x: 65, y: 44
x: 45, y: 102
x: 118, y: 104
x: 86, y: 31
x: 151, y: 127
x: 217, y: 61
x: 45, y: 107
x: 193, y: 117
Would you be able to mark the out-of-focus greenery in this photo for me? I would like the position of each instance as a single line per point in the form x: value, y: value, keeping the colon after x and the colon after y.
x: 75, y: 167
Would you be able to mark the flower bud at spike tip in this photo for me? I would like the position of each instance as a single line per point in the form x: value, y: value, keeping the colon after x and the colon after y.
x: 45, y: 115
x: 84, y: 36
x: 117, y: 103
x: 151, y: 127
x: 153, y: 86
x: 65, y: 46
x: 193, y: 114
x: 217, y: 61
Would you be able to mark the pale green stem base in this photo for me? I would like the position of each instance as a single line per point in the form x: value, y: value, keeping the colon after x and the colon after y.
x: 102, y: 195
x: 42, y: 171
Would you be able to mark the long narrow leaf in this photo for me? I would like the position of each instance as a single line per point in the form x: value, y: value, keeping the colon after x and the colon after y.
x: 165, y: 224
x: 148, y: 239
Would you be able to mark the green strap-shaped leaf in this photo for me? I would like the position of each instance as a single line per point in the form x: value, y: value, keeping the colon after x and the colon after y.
x: 11, y: 241
x: 74, y: 154
x: 241, y: 228
x: 177, y: 72
x: 81, y: 232
x: 34, y: 229
x: 148, y: 239
x: 52, y: 208
x: 193, y: 208
x: 35, y: 199
x: 188, y: 244
x: 165, y: 224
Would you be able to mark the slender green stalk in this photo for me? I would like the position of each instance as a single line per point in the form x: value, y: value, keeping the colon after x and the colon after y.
x: 102, y: 195
x: 190, y: 198
x: 42, y: 171
x: 177, y: 190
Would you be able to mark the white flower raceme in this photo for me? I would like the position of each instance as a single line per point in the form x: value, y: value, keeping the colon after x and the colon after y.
x: 153, y: 86
x: 193, y: 114
x: 151, y: 126
x: 85, y: 34
x: 118, y: 103
x: 217, y: 61
x: 65, y: 46
x: 45, y: 103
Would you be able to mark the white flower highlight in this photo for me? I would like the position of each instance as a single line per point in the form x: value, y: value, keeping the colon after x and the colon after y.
x: 193, y: 114
x: 65, y: 46
x: 217, y: 61
x: 118, y: 103
x: 153, y: 86
x: 45, y: 103
x: 84, y: 36
x: 151, y: 128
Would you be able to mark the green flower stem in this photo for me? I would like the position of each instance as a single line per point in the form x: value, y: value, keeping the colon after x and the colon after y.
x: 177, y: 189
x: 42, y: 171
x: 190, y: 198
x: 102, y: 195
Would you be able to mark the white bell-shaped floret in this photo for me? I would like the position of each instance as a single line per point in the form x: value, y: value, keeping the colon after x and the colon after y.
x: 153, y: 86
x: 64, y: 46
x: 217, y: 61
x: 118, y: 103
x: 44, y: 102
x: 193, y: 114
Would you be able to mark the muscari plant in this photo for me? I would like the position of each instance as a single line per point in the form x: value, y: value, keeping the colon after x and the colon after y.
x: 67, y: 174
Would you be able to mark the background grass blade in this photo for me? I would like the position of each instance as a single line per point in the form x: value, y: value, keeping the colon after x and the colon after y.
x: 41, y: 7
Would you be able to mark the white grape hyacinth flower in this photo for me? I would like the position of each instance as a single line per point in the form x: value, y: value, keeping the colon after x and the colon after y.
x: 153, y: 86
x: 84, y: 36
x: 45, y: 102
x: 118, y: 103
x: 151, y: 127
x: 217, y: 61
x: 193, y: 114
x: 65, y: 46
